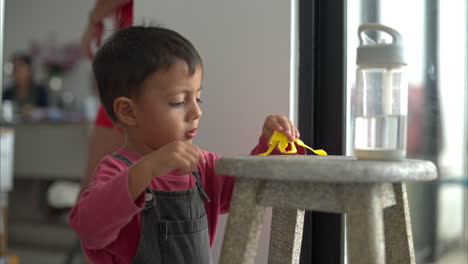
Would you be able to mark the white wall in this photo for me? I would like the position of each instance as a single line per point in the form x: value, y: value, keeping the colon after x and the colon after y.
x: 26, y: 20
x: 247, y: 51
x: 44, y: 20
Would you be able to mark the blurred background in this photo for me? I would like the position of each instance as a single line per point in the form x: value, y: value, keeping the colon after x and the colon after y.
x: 45, y: 128
x: 435, y: 35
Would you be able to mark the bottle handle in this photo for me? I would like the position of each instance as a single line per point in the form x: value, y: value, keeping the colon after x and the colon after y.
x: 396, y: 37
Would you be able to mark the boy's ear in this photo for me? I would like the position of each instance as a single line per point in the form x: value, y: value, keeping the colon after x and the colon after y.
x: 124, y: 109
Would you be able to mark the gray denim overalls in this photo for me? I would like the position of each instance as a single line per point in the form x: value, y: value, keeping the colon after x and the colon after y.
x: 174, y: 227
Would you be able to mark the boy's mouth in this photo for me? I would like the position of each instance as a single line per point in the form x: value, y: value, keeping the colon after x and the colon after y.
x: 191, y: 134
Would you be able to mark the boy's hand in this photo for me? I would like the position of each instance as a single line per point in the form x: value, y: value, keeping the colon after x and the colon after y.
x: 176, y: 155
x: 281, y: 124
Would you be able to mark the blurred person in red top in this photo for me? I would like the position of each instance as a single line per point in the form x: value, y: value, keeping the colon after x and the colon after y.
x: 105, y: 137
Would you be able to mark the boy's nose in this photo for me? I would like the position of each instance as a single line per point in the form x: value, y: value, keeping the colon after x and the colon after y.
x: 195, y: 112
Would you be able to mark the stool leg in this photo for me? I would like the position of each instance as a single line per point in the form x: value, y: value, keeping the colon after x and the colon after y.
x: 398, y: 237
x: 244, y: 224
x: 365, y: 232
x: 286, y: 236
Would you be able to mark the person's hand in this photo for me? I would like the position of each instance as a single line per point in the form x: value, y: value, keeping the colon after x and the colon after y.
x: 281, y: 124
x: 91, y: 35
x: 179, y: 155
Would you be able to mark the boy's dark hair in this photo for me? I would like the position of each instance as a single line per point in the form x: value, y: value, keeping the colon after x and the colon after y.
x: 130, y: 55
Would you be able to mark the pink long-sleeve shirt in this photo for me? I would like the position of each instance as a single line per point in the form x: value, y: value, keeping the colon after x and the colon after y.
x: 107, y: 219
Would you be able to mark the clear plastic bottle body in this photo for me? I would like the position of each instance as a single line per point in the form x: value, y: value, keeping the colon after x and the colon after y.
x: 380, y: 112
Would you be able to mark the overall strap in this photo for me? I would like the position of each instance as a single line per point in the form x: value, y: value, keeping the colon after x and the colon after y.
x: 200, y: 187
x: 149, y: 202
x: 122, y: 158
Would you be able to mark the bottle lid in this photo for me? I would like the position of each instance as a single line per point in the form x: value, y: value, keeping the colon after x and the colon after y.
x: 380, y: 54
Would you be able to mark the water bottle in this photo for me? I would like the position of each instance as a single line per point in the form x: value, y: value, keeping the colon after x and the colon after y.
x: 381, y: 96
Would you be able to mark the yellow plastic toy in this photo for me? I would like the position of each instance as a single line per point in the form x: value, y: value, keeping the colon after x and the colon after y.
x: 278, y: 139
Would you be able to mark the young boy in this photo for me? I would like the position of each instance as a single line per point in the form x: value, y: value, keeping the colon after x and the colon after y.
x: 157, y: 200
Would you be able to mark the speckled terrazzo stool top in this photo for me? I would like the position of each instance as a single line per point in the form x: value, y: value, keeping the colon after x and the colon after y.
x: 371, y: 193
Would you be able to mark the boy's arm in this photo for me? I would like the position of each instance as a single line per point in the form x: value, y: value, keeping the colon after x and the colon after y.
x: 115, y: 196
x: 175, y: 155
x: 105, y: 207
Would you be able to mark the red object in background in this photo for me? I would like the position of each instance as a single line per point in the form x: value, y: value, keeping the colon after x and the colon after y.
x: 124, y: 15
x: 123, y: 19
x: 102, y: 119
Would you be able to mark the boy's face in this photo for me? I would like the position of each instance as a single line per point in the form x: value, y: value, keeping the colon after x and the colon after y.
x: 168, y: 106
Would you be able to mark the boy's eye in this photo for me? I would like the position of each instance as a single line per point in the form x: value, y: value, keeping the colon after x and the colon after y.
x: 177, y: 104
x: 181, y: 103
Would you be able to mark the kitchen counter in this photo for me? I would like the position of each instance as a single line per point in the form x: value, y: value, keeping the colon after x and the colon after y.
x: 50, y: 150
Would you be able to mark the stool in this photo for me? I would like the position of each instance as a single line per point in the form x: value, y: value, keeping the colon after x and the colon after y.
x: 361, y: 189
